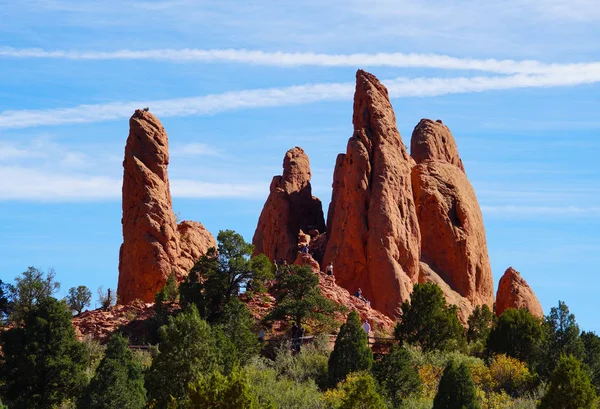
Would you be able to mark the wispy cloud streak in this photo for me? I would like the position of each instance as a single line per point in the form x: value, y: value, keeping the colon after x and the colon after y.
x: 286, y: 59
x: 287, y: 96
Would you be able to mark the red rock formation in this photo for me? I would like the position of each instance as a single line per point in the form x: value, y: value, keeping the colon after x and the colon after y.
x: 453, y: 242
x: 514, y: 292
x: 372, y: 227
x: 290, y: 208
x: 151, y: 248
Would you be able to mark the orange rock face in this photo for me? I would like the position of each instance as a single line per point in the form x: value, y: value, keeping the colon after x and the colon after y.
x: 372, y: 226
x: 514, y: 292
x: 151, y: 248
x: 289, y: 209
x: 453, y: 242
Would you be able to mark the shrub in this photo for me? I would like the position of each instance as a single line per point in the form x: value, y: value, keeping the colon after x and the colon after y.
x: 517, y: 334
x: 510, y: 375
x: 480, y: 324
x: 397, y: 375
x: 216, y: 391
x: 118, y: 382
x: 456, y: 389
x: 570, y: 387
x: 79, y: 298
x: 106, y: 299
x: 351, y: 352
x: 359, y: 392
x: 428, y: 322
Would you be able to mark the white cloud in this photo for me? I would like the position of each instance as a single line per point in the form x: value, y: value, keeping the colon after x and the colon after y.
x: 39, y: 185
x: 287, y: 96
x: 285, y: 59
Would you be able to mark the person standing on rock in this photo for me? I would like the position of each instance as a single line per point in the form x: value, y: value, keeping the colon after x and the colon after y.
x: 366, y: 326
x: 329, y: 269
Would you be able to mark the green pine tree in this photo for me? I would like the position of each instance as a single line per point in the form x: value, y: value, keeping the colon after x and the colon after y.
x: 351, y: 352
x: 480, y: 324
x: 397, y: 375
x: 570, y: 387
x: 517, y: 334
x: 43, y: 364
x: 118, y: 383
x: 456, y: 389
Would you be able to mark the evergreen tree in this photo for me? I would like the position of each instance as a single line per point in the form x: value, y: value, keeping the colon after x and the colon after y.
x: 187, y: 351
x: 456, y: 389
x: 427, y: 320
x: 237, y: 324
x: 397, y: 375
x: 591, y: 342
x: 480, y: 324
x: 299, y: 297
x: 216, y: 391
x: 219, y: 275
x: 351, y: 352
x: 118, y: 383
x: 43, y: 364
x: 569, y: 388
x: 517, y: 334
x: 79, y: 298
x: 360, y: 393
x: 561, y: 336
x: 4, y: 301
x: 30, y: 288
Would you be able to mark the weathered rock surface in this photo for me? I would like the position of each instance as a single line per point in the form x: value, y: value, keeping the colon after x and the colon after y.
x: 289, y: 209
x: 453, y: 242
x: 151, y: 249
x: 514, y: 292
x: 372, y: 227
x: 194, y: 241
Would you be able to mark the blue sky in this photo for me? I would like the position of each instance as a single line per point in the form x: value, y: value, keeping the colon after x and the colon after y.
x: 236, y: 84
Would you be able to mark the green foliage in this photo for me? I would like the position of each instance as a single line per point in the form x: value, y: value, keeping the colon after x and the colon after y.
x: 457, y: 389
x: 276, y: 392
x: 4, y: 300
x: 569, y: 387
x: 30, y: 288
x: 43, y: 364
x: 187, y: 351
x: 169, y: 290
x: 237, y: 325
x: 397, y: 375
x: 427, y: 320
x: 561, y: 336
x: 168, y: 294
x: 3, y: 406
x: 118, y: 383
x: 591, y: 342
x: 94, y: 352
x: 218, y: 276
x: 360, y: 392
x: 299, y: 298
x: 79, y: 298
x: 480, y: 324
x: 351, y: 352
x: 516, y: 333
x: 216, y: 391
x: 106, y: 299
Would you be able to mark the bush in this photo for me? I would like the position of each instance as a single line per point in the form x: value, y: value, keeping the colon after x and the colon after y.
x: 79, y: 298
x: 457, y: 389
x: 428, y: 322
x: 216, y: 391
x: 118, y: 383
x: 237, y: 325
x: 570, y: 387
x: 106, y: 299
x: 510, y: 375
x: 517, y: 334
x: 591, y: 342
x: 43, y: 364
x: 480, y: 324
x: 397, y: 375
x: 359, y: 392
x: 351, y: 353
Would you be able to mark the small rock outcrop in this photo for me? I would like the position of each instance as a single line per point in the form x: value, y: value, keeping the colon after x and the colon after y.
x: 514, y: 292
x: 372, y: 227
x: 152, y: 248
x: 453, y: 242
x: 289, y: 210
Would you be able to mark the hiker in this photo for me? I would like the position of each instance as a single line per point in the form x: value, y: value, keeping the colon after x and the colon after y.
x: 359, y: 295
x: 261, y: 335
x: 329, y: 269
x: 305, y: 249
x: 366, y: 326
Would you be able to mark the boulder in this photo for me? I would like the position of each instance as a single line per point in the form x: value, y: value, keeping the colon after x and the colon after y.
x: 453, y: 242
x: 514, y: 292
x: 372, y: 228
x: 290, y: 210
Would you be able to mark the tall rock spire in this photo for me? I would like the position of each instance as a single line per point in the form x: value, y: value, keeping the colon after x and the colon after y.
x: 372, y: 226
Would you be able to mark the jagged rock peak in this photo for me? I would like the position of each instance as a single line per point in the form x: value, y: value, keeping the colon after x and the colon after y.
x: 514, y: 292
x: 372, y: 227
x: 289, y: 209
x: 432, y: 140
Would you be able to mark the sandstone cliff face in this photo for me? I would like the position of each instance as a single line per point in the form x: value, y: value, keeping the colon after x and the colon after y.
x: 453, y: 242
x: 151, y: 248
x: 289, y: 209
x: 372, y: 226
x: 514, y: 292
x: 194, y: 241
